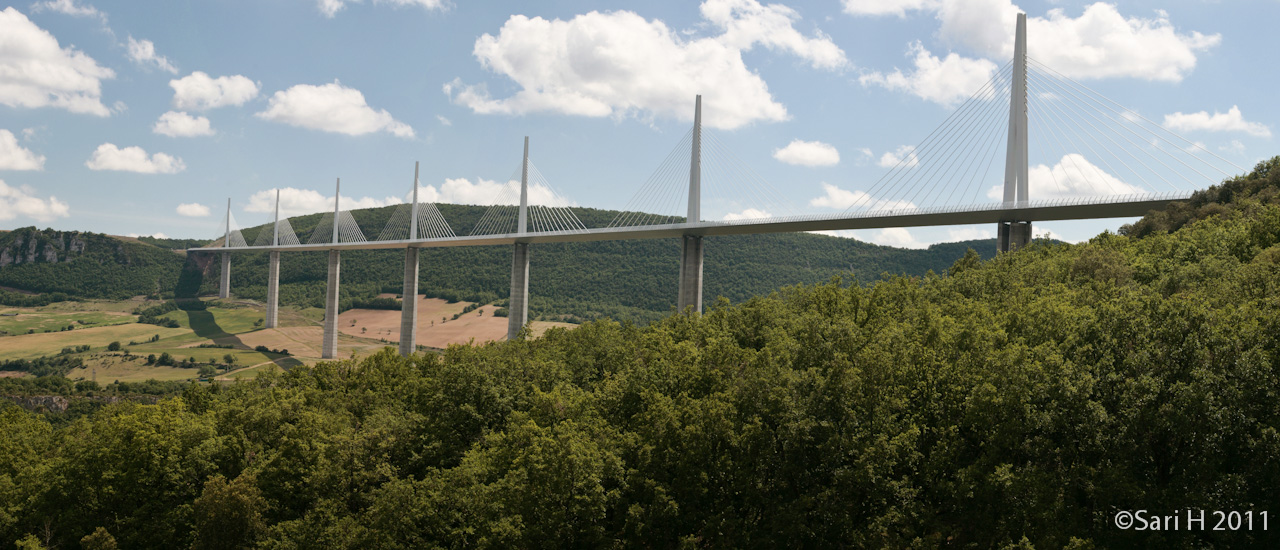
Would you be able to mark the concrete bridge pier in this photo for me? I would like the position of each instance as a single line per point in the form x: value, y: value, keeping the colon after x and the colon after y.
x: 518, y: 303
x: 690, y: 274
x: 1014, y: 235
x: 273, y: 289
x: 409, y: 304
x: 330, y: 347
x: 224, y: 277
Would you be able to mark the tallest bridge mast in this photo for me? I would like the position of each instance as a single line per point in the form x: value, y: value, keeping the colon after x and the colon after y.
x: 1013, y: 234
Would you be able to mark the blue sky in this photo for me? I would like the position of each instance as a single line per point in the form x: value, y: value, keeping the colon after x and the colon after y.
x: 144, y: 117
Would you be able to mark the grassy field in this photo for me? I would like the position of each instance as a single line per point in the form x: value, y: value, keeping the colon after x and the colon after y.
x: 14, y: 321
x: 30, y: 346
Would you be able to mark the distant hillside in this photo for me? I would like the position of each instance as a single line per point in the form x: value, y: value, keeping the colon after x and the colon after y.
x: 84, y: 264
x: 632, y: 280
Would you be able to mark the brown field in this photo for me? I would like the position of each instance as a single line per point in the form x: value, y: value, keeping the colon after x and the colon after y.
x: 435, y: 325
x: 304, y: 342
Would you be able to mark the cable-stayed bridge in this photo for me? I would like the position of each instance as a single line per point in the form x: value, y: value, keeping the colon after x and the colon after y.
x: 1097, y: 158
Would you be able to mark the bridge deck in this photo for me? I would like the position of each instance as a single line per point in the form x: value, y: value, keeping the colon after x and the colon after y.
x: 1114, y: 207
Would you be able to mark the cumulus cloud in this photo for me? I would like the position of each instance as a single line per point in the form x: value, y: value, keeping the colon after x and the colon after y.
x: 296, y: 202
x: 37, y: 72
x: 15, y: 157
x: 619, y: 64
x: 181, y: 124
x: 143, y: 52
x: 1230, y: 121
x: 198, y: 91
x: 946, y: 81
x: 1072, y: 176
x: 808, y: 153
x: 444, y: 121
x: 897, y: 237
x: 748, y: 214
x: 331, y: 8
x: 487, y: 192
x: 22, y: 201
x: 956, y: 234
x: 193, y: 210
x: 904, y: 155
x: 331, y: 108
x: 133, y: 159
x: 1100, y: 43
x: 69, y: 7
x: 746, y: 23
x: 837, y: 198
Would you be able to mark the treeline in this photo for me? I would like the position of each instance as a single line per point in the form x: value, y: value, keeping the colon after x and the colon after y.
x: 1016, y: 402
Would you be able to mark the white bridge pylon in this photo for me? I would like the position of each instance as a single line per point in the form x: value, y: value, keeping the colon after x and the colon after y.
x: 1068, y: 152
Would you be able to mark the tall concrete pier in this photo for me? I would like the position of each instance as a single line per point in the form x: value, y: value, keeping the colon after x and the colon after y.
x: 409, y: 296
x: 1012, y: 234
x: 330, y: 347
x: 224, y: 276
x: 690, y: 292
x: 273, y: 289
x: 518, y: 301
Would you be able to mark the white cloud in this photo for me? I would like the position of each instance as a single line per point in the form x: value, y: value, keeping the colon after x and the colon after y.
x: 296, y: 202
x: 181, y: 124
x: 331, y: 108
x: 144, y: 52
x: 1100, y: 43
x: 133, y: 159
x: 808, y: 153
x: 748, y: 214
x: 968, y: 234
x: 865, y: 156
x: 198, y: 91
x: 747, y: 22
x: 486, y: 192
x: 69, y: 7
x: 904, y: 155
x: 193, y: 210
x: 36, y: 72
x: 15, y: 157
x: 899, y: 237
x: 887, y: 7
x: 1230, y: 121
x: 331, y: 7
x: 1233, y: 147
x: 619, y: 64
x: 21, y: 201
x: 835, y: 197
x: 1072, y: 176
x: 1041, y: 232
x: 946, y: 81
x: 444, y: 121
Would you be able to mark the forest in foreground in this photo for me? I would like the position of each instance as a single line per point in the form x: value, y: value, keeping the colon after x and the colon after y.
x: 1017, y: 402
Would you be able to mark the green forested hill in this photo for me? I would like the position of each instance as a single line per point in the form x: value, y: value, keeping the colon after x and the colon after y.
x: 1021, y: 402
x: 84, y: 264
